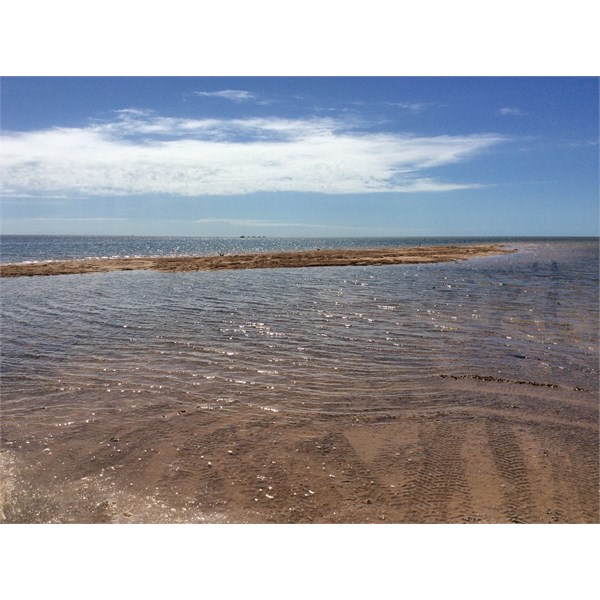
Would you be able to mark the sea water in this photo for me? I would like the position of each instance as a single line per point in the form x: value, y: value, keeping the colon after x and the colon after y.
x: 291, y: 339
x: 298, y: 343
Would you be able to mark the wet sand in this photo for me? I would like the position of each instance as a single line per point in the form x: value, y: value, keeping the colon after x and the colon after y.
x: 270, y: 260
x: 495, y: 452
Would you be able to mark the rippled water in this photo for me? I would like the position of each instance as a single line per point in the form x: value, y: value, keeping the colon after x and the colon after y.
x: 298, y: 339
x: 294, y: 342
x: 23, y: 248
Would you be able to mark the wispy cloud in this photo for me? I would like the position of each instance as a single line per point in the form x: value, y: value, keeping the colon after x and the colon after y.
x: 265, y: 223
x: 144, y: 153
x: 258, y: 223
x: 249, y: 222
x: 414, y: 107
x: 511, y: 111
x: 582, y: 144
x: 233, y: 95
x: 8, y: 193
x: 82, y: 219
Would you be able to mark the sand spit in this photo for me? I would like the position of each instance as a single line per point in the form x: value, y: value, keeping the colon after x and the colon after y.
x: 268, y: 260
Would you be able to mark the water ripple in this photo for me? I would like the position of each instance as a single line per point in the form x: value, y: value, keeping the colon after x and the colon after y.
x: 301, y: 341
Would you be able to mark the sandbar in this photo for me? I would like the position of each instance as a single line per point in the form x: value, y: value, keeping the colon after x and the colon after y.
x: 263, y: 260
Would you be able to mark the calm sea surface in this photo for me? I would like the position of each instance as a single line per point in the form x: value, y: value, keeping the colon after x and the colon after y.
x: 305, y: 340
x: 23, y: 248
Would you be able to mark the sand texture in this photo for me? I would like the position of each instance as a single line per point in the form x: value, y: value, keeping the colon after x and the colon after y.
x: 268, y: 260
x: 510, y: 453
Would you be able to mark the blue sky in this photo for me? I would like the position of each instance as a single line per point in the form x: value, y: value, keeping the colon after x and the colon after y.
x: 300, y: 156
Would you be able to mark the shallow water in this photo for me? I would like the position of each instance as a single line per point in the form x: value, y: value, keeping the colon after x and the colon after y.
x: 292, y: 339
x: 126, y: 347
x: 35, y: 248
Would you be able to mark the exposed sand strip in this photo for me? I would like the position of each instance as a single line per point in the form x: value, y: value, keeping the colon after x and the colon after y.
x: 306, y: 258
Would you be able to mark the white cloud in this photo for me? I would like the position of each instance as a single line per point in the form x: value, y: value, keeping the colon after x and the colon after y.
x: 508, y: 111
x: 141, y: 153
x: 15, y: 195
x: 415, y: 107
x: 234, y: 95
x: 264, y: 223
x: 82, y: 219
x: 258, y: 223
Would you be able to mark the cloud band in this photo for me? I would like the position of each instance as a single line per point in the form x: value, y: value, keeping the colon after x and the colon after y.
x: 142, y: 153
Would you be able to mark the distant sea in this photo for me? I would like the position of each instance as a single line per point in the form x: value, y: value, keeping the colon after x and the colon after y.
x: 24, y: 248
x: 297, y: 342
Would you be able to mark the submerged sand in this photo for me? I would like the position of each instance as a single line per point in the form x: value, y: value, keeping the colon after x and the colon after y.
x: 266, y: 260
x: 483, y: 452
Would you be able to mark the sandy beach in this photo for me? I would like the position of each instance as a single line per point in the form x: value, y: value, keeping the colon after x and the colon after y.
x: 505, y: 453
x: 450, y: 393
x: 270, y: 260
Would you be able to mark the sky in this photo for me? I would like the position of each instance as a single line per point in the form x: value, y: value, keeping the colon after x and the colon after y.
x: 300, y: 156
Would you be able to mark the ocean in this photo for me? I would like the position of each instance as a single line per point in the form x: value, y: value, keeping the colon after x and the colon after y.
x: 214, y: 396
x: 23, y: 248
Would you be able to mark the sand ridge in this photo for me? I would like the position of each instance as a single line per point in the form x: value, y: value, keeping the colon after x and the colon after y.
x: 305, y: 258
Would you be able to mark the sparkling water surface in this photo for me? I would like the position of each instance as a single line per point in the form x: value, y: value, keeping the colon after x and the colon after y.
x: 23, y: 248
x: 338, y: 339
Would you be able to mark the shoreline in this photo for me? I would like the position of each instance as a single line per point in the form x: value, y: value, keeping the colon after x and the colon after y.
x: 266, y: 260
